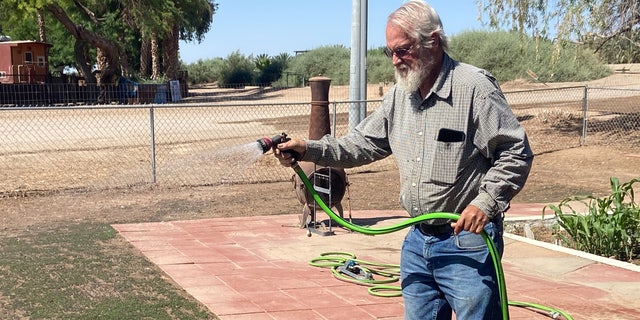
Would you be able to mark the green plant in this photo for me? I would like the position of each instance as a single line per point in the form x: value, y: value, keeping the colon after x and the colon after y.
x: 508, y: 56
x: 204, y: 71
x: 326, y: 61
x: 237, y: 71
x: 610, y: 227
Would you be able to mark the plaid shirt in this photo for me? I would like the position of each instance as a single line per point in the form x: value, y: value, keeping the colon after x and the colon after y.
x: 461, y: 145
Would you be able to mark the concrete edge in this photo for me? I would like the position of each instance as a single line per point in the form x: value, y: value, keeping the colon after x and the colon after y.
x: 527, y: 218
x: 581, y: 254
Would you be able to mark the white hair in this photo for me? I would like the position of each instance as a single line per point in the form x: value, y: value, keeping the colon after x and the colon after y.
x: 419, y: 20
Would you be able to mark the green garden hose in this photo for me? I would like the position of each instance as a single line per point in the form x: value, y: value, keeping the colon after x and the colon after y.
x: 389, y: 273
x: 409, y: 222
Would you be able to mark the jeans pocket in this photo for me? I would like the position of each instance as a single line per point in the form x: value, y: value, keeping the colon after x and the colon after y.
x: 470, y: 241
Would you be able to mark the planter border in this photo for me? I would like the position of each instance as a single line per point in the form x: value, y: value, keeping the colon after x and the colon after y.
x: 578, y: 253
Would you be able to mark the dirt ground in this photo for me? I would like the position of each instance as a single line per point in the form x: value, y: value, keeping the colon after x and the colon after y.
x: 554, y: 176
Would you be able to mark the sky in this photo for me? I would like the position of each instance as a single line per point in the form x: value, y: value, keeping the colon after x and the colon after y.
x: 254, y: 27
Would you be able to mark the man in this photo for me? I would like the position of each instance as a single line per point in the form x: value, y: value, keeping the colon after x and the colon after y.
x: 459, y: 148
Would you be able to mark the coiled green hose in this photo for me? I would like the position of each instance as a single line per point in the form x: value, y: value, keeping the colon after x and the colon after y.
x: 427, y: 216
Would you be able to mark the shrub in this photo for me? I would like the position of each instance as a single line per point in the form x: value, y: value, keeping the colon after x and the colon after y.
x: 236, y: 71
x: 610, y: 228
x: 204, y: 71
x: 379, y: 67
x: 508, y: 57
x: 327, y: 61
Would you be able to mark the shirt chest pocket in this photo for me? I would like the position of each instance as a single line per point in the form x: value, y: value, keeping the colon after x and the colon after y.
x: 447, y: 155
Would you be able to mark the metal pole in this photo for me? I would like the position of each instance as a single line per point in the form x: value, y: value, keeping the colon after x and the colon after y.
x: 354, y: 66
x: 334, y: 118
x: 363, y: 58
x: 585, y: 107
x: 153, y: 144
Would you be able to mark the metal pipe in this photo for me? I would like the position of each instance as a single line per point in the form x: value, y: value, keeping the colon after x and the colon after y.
x: 331, y: 182
x: 319, y: 123
x: 585, y: 107
x: 362, y: 60
x: 355, y: 68
x: 153, y: 144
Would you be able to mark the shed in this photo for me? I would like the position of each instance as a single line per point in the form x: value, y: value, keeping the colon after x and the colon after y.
x: 24, y: 61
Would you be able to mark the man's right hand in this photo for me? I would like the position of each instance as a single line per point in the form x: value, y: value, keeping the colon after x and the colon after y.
x: 284, y: 154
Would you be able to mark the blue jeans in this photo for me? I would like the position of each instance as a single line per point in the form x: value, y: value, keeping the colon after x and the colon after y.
x: 445, y: 273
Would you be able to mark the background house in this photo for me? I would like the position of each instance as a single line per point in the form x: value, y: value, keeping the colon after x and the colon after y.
x: 23, y: 61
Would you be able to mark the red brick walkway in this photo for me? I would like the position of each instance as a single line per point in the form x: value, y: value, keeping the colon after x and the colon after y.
x: 257, y: 268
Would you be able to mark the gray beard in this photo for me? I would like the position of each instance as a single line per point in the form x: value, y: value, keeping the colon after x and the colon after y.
x: 411, y: 79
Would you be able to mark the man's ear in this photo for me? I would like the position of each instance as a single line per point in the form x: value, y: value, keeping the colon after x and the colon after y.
x: 435, y: 40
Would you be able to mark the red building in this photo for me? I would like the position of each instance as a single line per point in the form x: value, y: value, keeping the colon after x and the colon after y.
x: 23, y: 61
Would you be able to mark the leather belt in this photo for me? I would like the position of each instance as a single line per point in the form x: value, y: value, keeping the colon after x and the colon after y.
x: 434, y: 230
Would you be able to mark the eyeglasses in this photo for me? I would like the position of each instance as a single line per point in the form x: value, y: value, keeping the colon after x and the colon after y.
x: 400, y: 52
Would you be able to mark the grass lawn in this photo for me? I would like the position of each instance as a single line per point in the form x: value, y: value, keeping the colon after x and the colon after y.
x: 84, y: 271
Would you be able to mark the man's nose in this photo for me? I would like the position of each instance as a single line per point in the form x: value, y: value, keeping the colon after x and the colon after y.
x: 396, y: 61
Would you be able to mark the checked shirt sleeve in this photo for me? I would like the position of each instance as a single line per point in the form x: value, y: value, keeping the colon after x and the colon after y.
x: 501, y: 138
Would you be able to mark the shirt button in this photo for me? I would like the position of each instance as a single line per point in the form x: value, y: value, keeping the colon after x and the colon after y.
x: 415, y: 209
x: 413, y: 184
x: 420, y: 133
x: 418, y: 159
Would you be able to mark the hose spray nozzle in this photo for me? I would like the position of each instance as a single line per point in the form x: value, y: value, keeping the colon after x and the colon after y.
x: 267, y: 144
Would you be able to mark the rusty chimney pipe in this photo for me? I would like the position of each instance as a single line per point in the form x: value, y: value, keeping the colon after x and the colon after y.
x: 333, y: 179
x: 319, y: 124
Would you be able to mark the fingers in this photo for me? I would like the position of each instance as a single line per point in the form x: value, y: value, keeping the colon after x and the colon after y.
x: 289, y: 152
x: 472, y: 219
x: 286, y: 158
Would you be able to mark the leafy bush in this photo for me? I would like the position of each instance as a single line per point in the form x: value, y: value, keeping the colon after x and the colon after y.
x: 508, y: 57
x: 204, y: 71
x: 326, y: 61
x: 270, y: 69
x: 236, y: 71
x: 379, y: 67
x: 610, y: 228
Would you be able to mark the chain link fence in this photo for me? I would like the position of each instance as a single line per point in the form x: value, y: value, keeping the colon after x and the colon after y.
x: 202, y: 140
x: 569, y: 117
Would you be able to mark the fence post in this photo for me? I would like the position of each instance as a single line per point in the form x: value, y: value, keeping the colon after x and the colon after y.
x: 153, y: 144
x: 585, y: 107
x: 334, y: 116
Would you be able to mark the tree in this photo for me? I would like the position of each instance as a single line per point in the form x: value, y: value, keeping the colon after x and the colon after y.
x: 262, y: 61
x: 190, y: 22
x: 113, y: 34
x: 590, y: 22
x: 624, y: 49
x: 108, y: 51
x: 270, y: 69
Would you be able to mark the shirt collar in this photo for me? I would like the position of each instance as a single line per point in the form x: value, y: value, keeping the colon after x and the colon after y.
x: 442, y: 86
